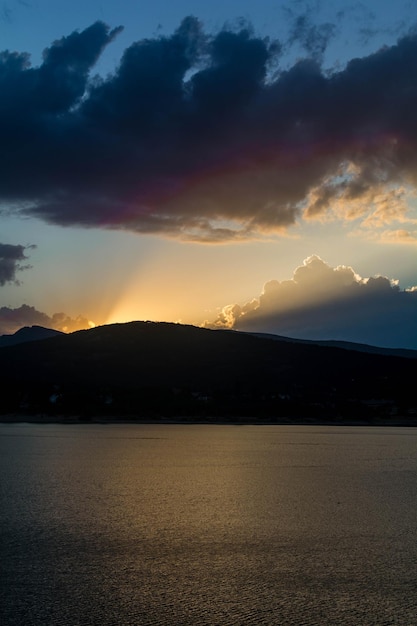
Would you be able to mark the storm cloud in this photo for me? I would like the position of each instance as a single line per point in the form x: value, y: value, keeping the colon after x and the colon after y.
x: 205, y: 138
x: 12, y: 261
x: 12, y: 320
x: 321, y: 302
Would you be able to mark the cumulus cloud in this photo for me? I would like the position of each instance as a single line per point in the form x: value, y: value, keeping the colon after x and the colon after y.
x: 321, y: 302
x: 194, y: 136
x: 13, y: 319
x: 11, y: 259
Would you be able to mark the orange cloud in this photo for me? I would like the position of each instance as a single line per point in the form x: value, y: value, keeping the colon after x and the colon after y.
x: 399, y: 236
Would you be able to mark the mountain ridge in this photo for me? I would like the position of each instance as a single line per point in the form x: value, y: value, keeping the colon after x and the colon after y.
x: 28, y: 333
x: 157, y: 368
x: 408, y: 353
x: 38, y: 333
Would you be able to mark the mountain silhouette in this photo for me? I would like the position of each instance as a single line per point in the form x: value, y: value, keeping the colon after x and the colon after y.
x: 28, y: 333
x: 161, y: 369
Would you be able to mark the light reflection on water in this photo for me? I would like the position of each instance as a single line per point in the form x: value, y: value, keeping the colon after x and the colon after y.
x: 204, y: 525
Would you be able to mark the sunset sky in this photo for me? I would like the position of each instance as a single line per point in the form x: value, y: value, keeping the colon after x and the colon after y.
x: 239, y: 164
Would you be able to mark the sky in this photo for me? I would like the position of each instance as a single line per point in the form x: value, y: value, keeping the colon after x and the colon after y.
x: 225, y: 164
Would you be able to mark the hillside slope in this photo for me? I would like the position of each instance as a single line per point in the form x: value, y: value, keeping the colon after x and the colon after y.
x: 143, y: 368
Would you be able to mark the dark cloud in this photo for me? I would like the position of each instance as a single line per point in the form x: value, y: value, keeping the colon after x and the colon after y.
x: 13, y: 319
x: 11, y: 259
x: 312, y: 38
x: 321, y: 302
x: 194, y: 136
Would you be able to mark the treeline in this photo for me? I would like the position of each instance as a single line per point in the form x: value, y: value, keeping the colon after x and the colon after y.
x: 158, y: 402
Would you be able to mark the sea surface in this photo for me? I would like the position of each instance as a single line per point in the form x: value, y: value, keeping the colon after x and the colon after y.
x: 207, y: 525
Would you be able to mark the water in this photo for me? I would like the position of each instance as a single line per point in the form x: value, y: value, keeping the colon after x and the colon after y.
x: 204, y: 525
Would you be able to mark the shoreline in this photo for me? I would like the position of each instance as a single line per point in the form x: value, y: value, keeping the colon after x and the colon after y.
x: 403, y: 421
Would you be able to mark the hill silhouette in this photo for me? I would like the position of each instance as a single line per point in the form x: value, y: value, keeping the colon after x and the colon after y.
x: 148, y: 369
x: 28, y: 333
